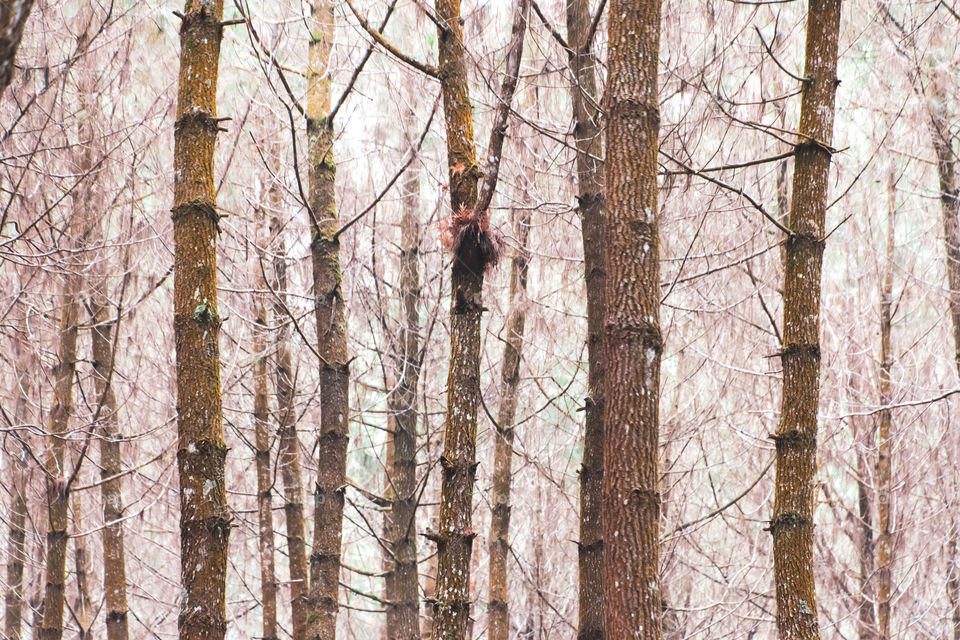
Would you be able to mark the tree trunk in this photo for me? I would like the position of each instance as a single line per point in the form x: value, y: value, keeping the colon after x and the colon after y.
x: 204, y: 520
x: 82, y: 607
x: 796, y: 437
x: 590, y: 207
x: 13, y: 17
x: 288, y: 450
x: 475, y: 248
x: 402, y: 593
x: 111, y: 466
x: 58, y: 486
x: 261, y: 420
x: 632, y: 340
x: 499, y: 622
x: 331, y: 335
x: 950, y: 206
x: 884, y: 485
x: 16, y: 542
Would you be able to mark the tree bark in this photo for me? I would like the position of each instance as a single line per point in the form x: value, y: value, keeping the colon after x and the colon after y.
x: 499, y: 618
x: 17, y: 484
x: 323, y: 600
x: 58, y: 486
x: 796, y: 437
x: 632, y: 340
x: 288, y: 453
x: 884, y: 485
x: 111, y: 466
x: 204, y: 520
x: 262, y: 440
x: 473, y: 251
x: 950, y: 207
x: 82, y: 606
x: 13, y: 18
x: 590, y: 207
x: 402, y: 580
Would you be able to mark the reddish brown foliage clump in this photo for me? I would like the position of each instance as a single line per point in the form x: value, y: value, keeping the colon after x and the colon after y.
x: 468, y: 235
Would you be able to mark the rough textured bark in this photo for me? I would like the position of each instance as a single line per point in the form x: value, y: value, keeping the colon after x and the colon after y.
x: 950, y: 207
x: 204, y: 519
x: 17, y: 486
x: 473, y: 252
x: 288, y: 450
x: 262, y: 442
x: 402, y: 580
x: 884, y: 485
x: 58, y: 487
x: 13, y: 17
x: 632, y: 340
x: 111, y: 466
x: 499, y: 618
x: 796, y: 436
x: 590, y: 207
x: 331, y: 334
x: 82, y: 608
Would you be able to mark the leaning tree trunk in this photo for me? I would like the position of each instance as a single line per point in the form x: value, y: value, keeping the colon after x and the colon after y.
x: 884, y: 486
x: 499, y: 622
x: 13, y: 18
x: 204, y: 519
x: 111, y: 466
x: 261, y: 421
x: 475, y: 247
x: 950, y: 206
x: 16, y: 541
x: 632, y: 340
x: 590, y: 206
x: 82, y: 605
x: 288, y: 449
x: 401, y: 518
x: 796, y: 437
x: 323, y: 600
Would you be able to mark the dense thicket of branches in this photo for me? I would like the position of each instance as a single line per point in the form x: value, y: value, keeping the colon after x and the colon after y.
x: 248, y: 287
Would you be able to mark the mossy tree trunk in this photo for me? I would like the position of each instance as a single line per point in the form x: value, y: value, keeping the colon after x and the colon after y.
x: 323, y: 599
x: 201, y: 452
x: 796, y: 436
x: 632, y: 341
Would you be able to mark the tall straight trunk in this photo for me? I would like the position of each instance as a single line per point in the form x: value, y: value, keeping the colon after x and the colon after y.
x: 331, y: 334
x: 796, y: 437
x: 261, y: 421
x: 499, y: 619
x: 13, y: 18
x: 864, y: 435
x: 204, y: 520
x: 884, y: 485
x: 454, y: 537
x: 288, y: 449
x: 475, y: 247
x: 950, y: 207
x: 403, y: 582
x: 82, y: 606
x: 590, y: 207
x: 632, y: 341
x: 58, y: 486
x: 111, y: 466
x: 17, y: 486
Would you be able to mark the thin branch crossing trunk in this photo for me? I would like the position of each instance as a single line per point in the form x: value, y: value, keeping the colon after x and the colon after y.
x: 796, y: 436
